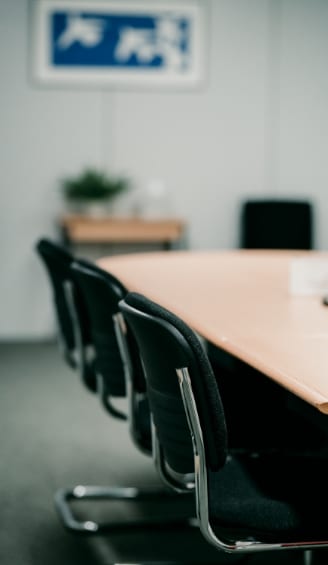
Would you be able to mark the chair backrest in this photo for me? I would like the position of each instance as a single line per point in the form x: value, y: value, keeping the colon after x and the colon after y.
x: 276, y: 224
x: 57, y: 262
x: 166, y: 344
x: 102, y: 292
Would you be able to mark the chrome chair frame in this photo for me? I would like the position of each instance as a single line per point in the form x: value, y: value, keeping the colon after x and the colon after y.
x: 198, y: 483
x: 201, y: 482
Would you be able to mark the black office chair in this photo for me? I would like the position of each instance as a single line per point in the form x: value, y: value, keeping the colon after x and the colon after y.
x: 72, y: 320
x: 244, y: 503
x: 119, y: 374
x: 276, y: 224
x: 101, y: 293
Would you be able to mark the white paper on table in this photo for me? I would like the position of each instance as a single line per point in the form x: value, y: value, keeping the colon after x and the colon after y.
x: 308, y: 276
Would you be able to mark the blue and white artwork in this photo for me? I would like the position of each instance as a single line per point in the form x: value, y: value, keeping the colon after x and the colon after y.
x: 119, y: 42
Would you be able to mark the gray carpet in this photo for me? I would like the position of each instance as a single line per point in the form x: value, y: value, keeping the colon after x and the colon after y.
x: 54, y: 433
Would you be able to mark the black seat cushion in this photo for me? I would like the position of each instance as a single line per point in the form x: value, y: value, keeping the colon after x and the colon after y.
x: 270, y: 496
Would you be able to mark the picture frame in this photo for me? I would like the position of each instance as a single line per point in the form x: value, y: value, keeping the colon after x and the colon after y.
x: 119, y: 43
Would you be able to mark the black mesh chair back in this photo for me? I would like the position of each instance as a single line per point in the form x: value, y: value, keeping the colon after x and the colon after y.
x: 276, y: 224
x: 244, y: 503
x: 101, y: 293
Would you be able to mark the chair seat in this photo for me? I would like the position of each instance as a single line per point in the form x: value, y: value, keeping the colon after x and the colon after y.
x: 272, y: 497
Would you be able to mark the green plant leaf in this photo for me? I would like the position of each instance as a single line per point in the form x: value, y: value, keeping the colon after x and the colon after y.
x: 92, y: 184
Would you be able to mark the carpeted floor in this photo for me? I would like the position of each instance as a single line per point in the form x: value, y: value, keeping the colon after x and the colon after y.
x: 54, y: 433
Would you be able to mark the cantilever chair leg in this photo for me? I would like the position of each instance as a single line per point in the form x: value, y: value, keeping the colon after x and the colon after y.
x: 64, y: 496
x: 308, y: 557
x: 155, y: 563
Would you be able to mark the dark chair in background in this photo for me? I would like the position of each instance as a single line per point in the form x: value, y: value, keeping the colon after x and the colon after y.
x: 244, y: 503
x: 276, y: 224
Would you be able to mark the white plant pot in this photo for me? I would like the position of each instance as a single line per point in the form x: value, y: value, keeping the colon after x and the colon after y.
x: 96, y: 209
x: 93, y: 209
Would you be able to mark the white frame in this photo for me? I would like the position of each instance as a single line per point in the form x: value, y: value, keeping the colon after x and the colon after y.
x: 47, y: 73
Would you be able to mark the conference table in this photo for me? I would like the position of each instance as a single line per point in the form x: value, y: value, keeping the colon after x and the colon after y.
x: 240, y: 301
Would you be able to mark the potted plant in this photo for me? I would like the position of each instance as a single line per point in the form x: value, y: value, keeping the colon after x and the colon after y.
x: 92, y: 190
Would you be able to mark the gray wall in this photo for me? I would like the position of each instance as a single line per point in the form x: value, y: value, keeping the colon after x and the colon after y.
x: 259, y: 126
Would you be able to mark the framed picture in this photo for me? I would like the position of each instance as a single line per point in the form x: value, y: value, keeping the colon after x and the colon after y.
x: 132, y: 43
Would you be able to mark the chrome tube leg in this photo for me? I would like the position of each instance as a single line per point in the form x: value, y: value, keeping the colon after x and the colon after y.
x: 308, y: 557
x: 64, y: 496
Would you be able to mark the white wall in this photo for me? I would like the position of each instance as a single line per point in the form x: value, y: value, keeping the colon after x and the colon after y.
x: 258, y: 126
x: 302, y: 133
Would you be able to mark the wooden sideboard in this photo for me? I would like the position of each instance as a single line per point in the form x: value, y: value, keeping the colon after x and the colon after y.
x: 112, y: 230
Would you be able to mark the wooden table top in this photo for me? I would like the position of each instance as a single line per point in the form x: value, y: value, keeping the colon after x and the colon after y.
x: 240, y: 301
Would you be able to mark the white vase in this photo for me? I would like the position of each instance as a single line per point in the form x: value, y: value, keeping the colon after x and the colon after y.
x: 96, y: 209
x: 91, y: 208
x: 156, y: 202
